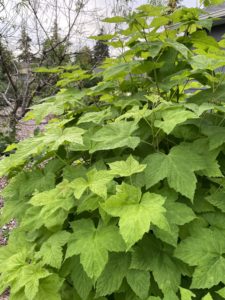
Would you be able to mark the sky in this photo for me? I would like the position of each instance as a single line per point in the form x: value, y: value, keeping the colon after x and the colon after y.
x: 89, y: 22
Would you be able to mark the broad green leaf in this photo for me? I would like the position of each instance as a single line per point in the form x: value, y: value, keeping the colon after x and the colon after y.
x: 126, y: 168
x: 96, y: 181
x: 209, y: 95
x: 201, y: 147
x: 113, y: 274
x: 217, y: 199
x: 215, y: 134
x: 151, y: 10
x: 19, y: 295
x: 52, y: 206
x: 203, y: 62
x: 139, y: 281
x: 97, y: 117
x: 40, y: 111
x: 186, y: 294
x: 221, y: 292
x: 177, y: 214
x: 116, y: 19
x: 51, y: 250
x: 72, y: 172
x: 149, y: 255
x: 205, y: 250
x: 178, y: 167
x: 93, y: 245
x: 71, y: 135
x: 29, y: 278
x: 207, y: 297
x: 173, y: 116
x: 49, y: 288
x: 137, y: 212
x: 115, y: 135
x: 135, y: 113
x: 181, y: 48
x: 88, y: 203
x: 81, y: 282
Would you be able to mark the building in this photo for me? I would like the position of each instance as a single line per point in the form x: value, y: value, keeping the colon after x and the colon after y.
x: 218, y: 29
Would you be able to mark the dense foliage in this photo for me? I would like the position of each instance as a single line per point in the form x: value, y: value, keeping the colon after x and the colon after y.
x: 122, y: 196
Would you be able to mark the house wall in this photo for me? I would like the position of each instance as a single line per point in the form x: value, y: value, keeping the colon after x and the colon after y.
x: 218, y: 31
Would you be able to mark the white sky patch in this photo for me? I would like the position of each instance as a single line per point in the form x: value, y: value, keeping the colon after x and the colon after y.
x: 88, y: 23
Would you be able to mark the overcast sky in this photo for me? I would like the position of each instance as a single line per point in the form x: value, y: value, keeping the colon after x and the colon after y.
x: 89, y: 22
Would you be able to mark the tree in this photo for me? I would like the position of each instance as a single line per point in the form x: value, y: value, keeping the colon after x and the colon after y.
x: 84, y: 58
x: 157, y: 2
x: 55, y: 50
x: 101, y: 49
x: 22, y: 84
x: 25, y: 46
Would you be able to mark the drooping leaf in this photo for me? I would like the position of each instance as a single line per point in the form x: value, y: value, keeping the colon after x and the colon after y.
x: 204, y: 250
x: 81, y: 282
x: 93, y: 245
x: 113, y: 274
x: 172, y: 117
x: 51, y: 251
x: 149, y: 255
x: 139, y: 281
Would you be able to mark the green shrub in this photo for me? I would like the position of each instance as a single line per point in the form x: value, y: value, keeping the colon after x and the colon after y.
x: 123, y: 195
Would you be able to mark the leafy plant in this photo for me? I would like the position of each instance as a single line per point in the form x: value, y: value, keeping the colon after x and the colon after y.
x: 122, y: 195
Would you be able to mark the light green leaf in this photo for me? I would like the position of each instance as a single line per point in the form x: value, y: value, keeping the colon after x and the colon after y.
x: 51, y: 250
x: 178, y: 167
x: 52, y: 206
x: 116, y: 19
x: 72, y: 135
x: 207, y: 297
x: 135, y: 113
x: 95, y: 117
x: 139, y: 281
x: 88, y: 203
x: 115, y: 135
x: 186, y: 294
x: 181, y: 48
x: 204, y: 249
x: 126, y: 168
x: 173, y: 116
x: 211, y: 62
x: 137, y: 212
x: 49, y: 288
x: 28, y: 278
x: 221, y: 292
x: 96, y: 181
x: 93, y: 245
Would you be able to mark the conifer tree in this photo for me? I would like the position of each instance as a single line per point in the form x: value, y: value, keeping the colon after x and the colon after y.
x: 54, y: 50
x: 101, y: 50
x: 25, y: 46
x: 84, y: 58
